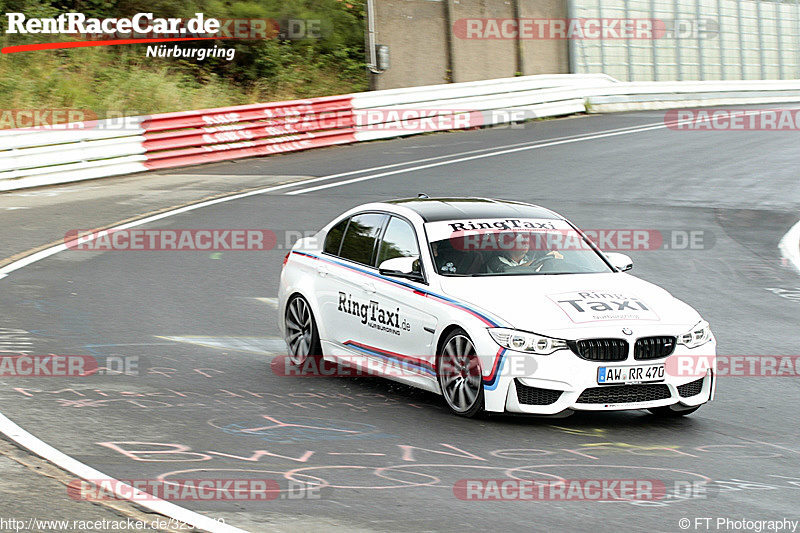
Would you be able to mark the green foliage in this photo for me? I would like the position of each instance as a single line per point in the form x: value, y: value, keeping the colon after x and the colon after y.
x: 121, y: 78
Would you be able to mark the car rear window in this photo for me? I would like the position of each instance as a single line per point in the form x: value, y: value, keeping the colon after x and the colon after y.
x: 359, y: 239
x: 333, y: 241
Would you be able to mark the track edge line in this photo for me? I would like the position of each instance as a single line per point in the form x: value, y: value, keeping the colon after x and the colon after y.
x: 37, y: 446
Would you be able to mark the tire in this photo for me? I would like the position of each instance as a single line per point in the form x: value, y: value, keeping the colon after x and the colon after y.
x: 668, y: 412
x: 458, y: 371
x: 302, y: 336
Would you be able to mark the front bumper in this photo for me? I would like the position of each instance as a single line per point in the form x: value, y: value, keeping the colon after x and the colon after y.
x: 563, y: 381
x: 522, y: 398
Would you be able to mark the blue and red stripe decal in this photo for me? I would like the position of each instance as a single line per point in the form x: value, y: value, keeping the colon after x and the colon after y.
x: 422, y: 365
x: 421, y: 292
x: 489, y: 382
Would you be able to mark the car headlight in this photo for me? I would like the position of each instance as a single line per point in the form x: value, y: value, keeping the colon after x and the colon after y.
x: 523, y: 341
x: 697, y: 336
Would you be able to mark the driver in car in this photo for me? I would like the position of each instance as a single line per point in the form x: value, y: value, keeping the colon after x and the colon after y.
x: 519, y: 255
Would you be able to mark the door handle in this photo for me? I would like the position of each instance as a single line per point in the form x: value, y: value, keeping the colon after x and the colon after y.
x: 369, y: 287
x: 322, y: 270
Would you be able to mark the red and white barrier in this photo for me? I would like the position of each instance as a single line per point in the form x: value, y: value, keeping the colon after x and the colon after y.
x: 194, y: 137
x: 34, y: 157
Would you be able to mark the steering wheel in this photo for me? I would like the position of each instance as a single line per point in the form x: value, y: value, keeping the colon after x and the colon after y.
x: 539, y: 263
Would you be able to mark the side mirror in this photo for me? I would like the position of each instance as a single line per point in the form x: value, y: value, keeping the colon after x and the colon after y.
x: 621, y: 262
x: 402, y: 267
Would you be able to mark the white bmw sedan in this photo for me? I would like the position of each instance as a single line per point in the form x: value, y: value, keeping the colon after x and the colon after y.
x: 498, y: 306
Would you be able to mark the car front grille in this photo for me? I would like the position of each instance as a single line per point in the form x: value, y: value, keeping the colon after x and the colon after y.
x: 600, y: 349
x: 691, y: 389
x: 653, y: 348
x: 536, y: 396
x: 624, y: 394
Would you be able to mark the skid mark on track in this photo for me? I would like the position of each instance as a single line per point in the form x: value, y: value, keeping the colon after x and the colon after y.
x: 272, y: 302
x: 259, y: 345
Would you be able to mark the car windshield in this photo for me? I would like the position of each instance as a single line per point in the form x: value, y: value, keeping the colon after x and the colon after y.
x: 535, y: 247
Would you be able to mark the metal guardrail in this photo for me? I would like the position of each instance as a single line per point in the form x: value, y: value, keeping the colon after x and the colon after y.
x: 636, y: 96
x: 36, y: 157
x: 708, y: 40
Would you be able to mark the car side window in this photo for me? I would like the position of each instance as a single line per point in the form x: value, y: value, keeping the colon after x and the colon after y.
x: 398, y: 241
x: 359, y: 240
x: 333, y: 240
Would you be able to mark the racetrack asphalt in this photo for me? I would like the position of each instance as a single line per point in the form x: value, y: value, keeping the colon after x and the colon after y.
x: 202, y: 327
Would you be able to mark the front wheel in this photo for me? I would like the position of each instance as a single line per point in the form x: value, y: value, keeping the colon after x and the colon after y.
x: 301, y: 332
x: 458, y: 370
x: 668, y: 412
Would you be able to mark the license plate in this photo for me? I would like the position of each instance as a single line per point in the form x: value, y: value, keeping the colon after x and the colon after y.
x: 630, y: 374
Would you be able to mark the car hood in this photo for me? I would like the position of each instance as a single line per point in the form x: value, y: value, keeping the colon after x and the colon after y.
x: 571, y: 305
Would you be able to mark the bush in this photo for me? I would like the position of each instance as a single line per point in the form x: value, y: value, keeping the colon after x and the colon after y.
x: 113, y: 79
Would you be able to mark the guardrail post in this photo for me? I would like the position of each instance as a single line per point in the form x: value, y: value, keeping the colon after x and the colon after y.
x: 676, y: 33
x: 518, y: 52
x: 797, y: 40
x: 653, y: 47
x: 778, y: 23
x: 451, y: 45
x: 741, y: 38
x: 628, y: 48
x: 602, y: 41
x: 723, y: 71
x: 762, y: 58
x: 701, y: 64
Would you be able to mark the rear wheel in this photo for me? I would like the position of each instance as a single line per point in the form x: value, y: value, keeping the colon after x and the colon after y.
x: 458, y: 370
x: 668, y: 412
x: 301, y: 332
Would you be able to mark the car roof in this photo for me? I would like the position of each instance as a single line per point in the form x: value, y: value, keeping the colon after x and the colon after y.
x: 439, y: 209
